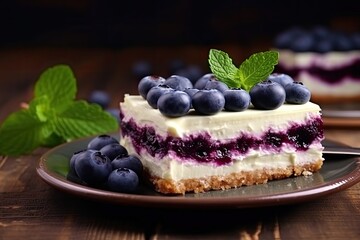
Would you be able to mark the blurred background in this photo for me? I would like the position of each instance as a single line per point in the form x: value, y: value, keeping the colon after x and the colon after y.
x: 123, y: 40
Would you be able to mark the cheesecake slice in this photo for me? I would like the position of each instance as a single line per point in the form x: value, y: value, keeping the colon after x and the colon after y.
x: 197, y: 153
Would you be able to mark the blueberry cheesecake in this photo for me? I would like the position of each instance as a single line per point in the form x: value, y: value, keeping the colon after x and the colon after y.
x: 226, y: 130
x: 325, y: 60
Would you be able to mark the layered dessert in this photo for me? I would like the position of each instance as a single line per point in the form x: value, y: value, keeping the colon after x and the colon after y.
x: 251, y: 128
x: 326, y: 61
x: 198, y: 153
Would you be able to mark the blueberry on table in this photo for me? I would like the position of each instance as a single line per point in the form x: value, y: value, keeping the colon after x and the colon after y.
x: 113, y: 150
x: 131, y: 162
x: 123, y: 180
x: 236, y: 100
x: 154, y: 94
x: 146, y: 83
x: 174, y: 104
x: 93, y: 167
x: 297, y: 93
x: 100, y: 141
x: 281, y: 78
x: 267, y: 95
x: 101, y: 98
x: 208, y: 101
x: 178, y: 82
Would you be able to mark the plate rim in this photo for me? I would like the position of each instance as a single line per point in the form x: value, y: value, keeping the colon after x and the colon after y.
x: 179, y: 201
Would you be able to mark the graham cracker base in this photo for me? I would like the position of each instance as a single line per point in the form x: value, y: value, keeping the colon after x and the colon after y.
x: 233, y: 180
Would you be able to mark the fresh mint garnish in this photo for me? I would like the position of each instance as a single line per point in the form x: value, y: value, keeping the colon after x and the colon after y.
x: 53, y: 116
x: 252, y: 71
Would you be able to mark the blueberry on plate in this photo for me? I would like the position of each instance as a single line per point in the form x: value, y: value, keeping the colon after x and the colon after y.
x: 100, y: 141
x: 174, y: 104
x: 208, y: 101
x: 297, y: 93
x: 267, y: 95
x: 146, y: 83
x: 123, y: 180
x: 93, y: 167
x: 131, y: 162
x: 113, y: 150
x: 154, y: 94
x: 236, y: 100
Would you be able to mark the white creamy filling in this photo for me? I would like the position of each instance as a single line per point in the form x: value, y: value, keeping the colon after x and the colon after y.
x: 223, y: 125
x: 347, y: 87
x: 331, y: 60
x: 171, y: 168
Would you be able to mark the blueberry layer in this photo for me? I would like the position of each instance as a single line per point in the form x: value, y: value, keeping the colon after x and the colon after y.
x: 330, y: 76
x: 203, y: 149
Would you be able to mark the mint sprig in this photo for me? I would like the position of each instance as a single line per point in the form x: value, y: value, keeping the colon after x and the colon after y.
x: 252, y: 71
x: 53, y: 116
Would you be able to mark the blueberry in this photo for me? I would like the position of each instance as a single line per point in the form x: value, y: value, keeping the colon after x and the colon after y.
x: 216, y: 84
x: 355, y: 38
x: 192, y: 72
x: 303, y: 43
x: 281, y: 78
x: 297, y: 93
x: 176, y: 65
x: 154, y: 94
x: 342, y: 42
x: 208, y: 101
x: 100, y: 141
x: 236, y: 99
x: 267, y: 95
x: 115, y: 112
x: 141, y: 68
x: 113, y: 150
x: 101, y: 98
x: 284, y: 39
x: 174, y: 104
x: 191, y: 92
x: 201, y: 82
x: 146, y: 83
x: 123, y: 180
x: 72, y: 175
x: 93, y: 167
x: 178, y: 82
x: 131, y: 162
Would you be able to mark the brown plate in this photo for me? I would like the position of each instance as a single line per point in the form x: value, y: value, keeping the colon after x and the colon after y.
x: 338, y: 173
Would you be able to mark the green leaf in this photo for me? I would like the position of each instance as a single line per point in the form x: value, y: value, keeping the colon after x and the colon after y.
x: 223, y: 68
x: 82, y: 119
x: 257, y: 68
x: 58, y: 84
x: 20, y: 133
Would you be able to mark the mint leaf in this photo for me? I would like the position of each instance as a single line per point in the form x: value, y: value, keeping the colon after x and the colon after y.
x: 53, y: 116
x: 222, y: 67
x: 252, y: 71
x: 58, y: 84
x: 257, y: 68
x: 82, y: 119
x: 20, y: 133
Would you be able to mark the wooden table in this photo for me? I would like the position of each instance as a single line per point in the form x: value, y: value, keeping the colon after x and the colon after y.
x: 31, y: 209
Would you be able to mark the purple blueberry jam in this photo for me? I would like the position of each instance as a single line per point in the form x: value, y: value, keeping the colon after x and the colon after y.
x: 330, y: 76
x: 201, y: 148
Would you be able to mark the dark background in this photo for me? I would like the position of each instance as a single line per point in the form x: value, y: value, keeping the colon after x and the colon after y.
x: 121, y: 24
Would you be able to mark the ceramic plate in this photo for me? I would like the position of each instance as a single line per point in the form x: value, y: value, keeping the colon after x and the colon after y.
x: 338, y: 173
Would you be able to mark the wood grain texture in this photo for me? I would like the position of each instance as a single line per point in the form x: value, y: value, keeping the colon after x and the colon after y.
x: 31, y: 209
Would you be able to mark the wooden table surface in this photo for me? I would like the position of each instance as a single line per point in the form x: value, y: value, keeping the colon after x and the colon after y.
x: 31, y: 209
